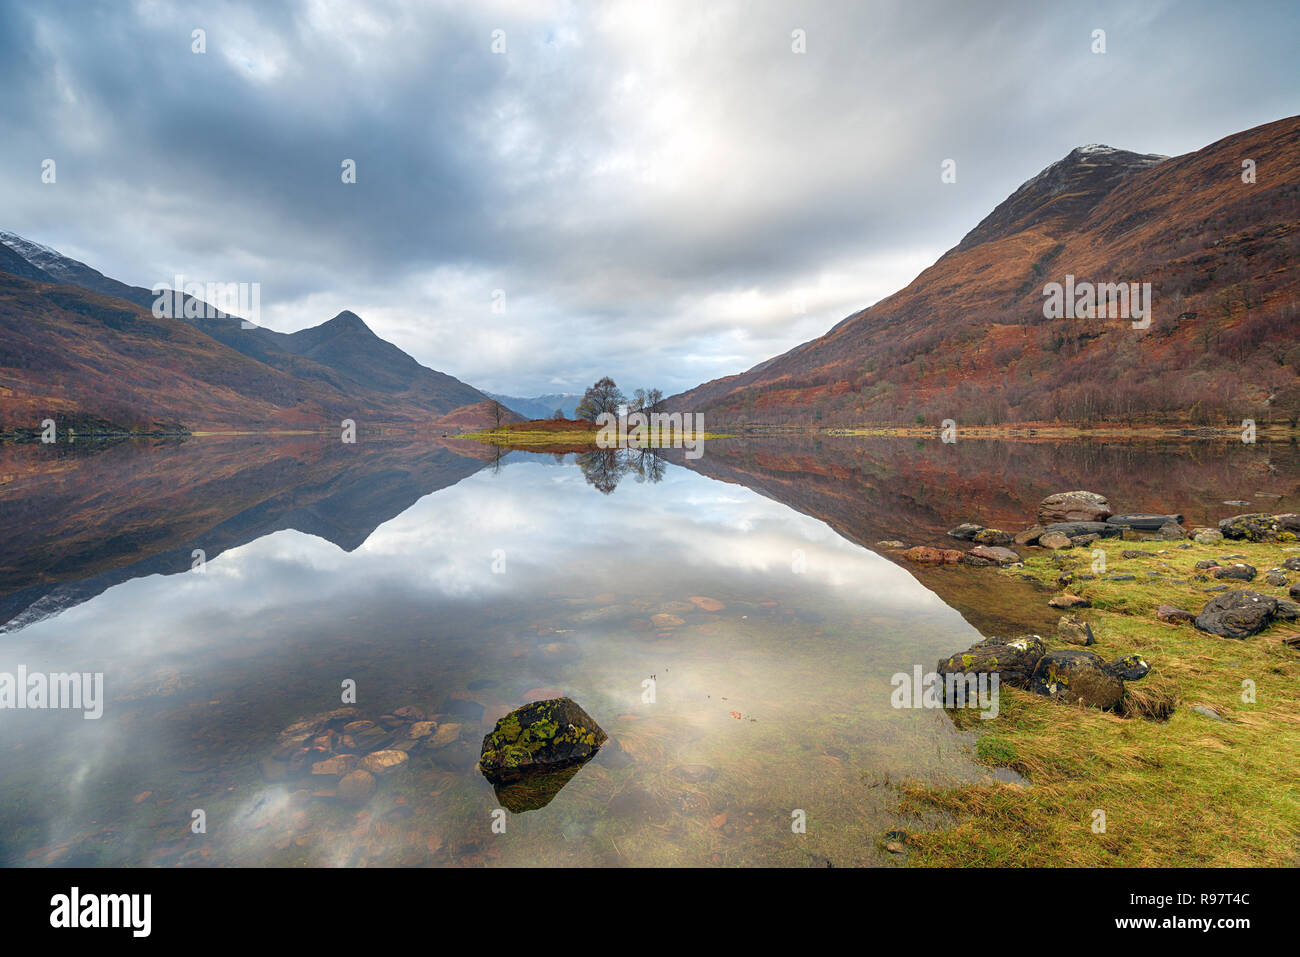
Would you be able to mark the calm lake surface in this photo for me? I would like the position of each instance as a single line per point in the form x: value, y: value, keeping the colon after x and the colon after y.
x: 465, y: 582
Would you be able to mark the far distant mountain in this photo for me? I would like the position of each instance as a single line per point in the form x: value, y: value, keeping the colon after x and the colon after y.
x: 542, y: 406
x: 87, y: 350
x: 969, y: 340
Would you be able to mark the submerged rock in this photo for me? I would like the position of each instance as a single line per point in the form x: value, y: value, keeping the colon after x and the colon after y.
x: 382, y: 762
x: 356, y: 788
x: 535, y: 749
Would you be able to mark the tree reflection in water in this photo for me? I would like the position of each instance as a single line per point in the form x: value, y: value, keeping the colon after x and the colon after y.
x: 605, y: 468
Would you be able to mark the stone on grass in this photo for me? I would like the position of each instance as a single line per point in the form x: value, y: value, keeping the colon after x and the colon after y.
x: 1074, y: 630
x: 1076, y: 676
x: 1237, y: 614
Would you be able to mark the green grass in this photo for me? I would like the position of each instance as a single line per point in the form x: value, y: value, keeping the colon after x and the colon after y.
x: 1184, y: 791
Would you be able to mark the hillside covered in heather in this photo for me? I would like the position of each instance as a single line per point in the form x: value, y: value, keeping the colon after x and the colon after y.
x: 968, y: 340
x: 88, y: 352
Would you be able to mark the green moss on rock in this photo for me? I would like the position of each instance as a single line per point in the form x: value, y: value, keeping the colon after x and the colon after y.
x: 550, y: 733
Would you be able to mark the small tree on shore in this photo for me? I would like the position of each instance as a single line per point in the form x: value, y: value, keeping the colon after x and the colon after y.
x: 602, y: 397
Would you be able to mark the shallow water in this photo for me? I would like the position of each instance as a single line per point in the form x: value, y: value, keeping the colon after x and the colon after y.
x: 499, y: 585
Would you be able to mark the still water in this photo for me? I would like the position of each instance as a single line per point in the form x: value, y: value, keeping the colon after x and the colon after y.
x: 738, y: 651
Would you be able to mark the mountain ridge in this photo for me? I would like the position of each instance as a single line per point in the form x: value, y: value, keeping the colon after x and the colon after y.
x: 88, y: 351
x: 967, y: 339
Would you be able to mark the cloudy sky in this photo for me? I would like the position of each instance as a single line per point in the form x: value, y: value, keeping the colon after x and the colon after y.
x: 650, y: 189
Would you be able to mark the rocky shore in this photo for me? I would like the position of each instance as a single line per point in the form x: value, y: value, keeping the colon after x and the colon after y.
x: 1071, y: 528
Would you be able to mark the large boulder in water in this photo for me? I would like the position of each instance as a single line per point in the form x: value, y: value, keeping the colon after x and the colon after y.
x: 535, y: 749
x: 1237, y: 614
x: 1073, y: 507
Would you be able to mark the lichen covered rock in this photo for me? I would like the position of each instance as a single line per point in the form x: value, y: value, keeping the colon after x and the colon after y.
x: 1253, y: 527
x: 543, y: 733
x: 1013, y: 661
x: 1077, y: 677
x: 535, y: 749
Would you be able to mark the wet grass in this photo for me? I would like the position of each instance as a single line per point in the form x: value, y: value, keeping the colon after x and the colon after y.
x: 1190, y: 790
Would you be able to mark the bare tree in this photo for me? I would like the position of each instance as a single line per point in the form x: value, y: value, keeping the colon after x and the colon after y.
x: 602, y: 397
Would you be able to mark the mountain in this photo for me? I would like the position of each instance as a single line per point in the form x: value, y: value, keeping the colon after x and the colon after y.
x: 87, y: 350
x: 968, y: 339
x: 542, y: 406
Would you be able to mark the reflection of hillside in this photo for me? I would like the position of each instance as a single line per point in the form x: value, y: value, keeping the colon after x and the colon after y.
x: 872, y: 490
x: 79, y: 522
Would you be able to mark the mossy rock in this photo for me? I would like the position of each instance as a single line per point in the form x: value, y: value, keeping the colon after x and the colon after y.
x: 1253, y: 527
x: 1013, y: 660
x: 540, y: 735
x: 536, y: 749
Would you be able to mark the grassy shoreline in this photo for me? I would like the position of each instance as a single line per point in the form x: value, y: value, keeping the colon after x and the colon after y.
x: 1190, y: 790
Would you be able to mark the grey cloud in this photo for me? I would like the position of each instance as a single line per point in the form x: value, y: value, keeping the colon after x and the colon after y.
x: 625, y: 172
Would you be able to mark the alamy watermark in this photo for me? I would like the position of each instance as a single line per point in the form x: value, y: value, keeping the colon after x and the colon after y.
x: 953, y: 690
x: 658, y: 430
x: 78, y: 691
x: 210, y: 300
x: 1102, y: 300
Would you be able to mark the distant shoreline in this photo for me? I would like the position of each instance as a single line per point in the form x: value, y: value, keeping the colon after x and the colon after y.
x: 587, y: 432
